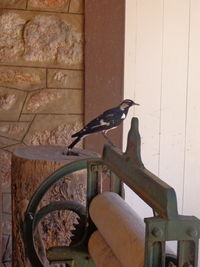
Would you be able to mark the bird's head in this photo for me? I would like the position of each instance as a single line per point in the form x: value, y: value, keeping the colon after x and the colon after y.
x: 127, y: 103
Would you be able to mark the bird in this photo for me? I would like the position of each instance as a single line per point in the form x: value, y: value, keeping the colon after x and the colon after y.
x: 106, y: 121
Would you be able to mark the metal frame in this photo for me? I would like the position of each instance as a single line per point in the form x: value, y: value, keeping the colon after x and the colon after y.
x: 128, y: 168
x: 32, y: 216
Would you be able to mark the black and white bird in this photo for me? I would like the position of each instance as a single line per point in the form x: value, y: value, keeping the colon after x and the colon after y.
x: 108, y: 120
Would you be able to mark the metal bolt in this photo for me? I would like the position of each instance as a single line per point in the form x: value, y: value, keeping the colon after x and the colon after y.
x: 156, y: 232
x: 192, y: 232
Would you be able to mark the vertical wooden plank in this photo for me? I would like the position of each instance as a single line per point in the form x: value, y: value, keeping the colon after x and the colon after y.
x: 104, y: 63
x: 148, y: 77
x: 192, y: 161
x: 174, y: 92
x: 130, y: 61
x: 147, y: 85
x: 129, y: 80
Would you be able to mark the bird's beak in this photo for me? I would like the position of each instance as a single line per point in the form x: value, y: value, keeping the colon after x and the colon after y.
x: 135, y: 104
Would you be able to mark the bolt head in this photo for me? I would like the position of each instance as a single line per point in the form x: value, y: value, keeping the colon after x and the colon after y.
x: 156, y: 232
x: 192, y: 232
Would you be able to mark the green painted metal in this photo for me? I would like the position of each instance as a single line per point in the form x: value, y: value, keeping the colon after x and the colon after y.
x: 166, y: 225
x: 31, y: 216
x: 79, y: 255
x: 184, y: 229
x: 129, y: 167
x: 60, y: 205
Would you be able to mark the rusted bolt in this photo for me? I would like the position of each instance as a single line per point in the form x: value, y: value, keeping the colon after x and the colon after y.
x: 156, y: 232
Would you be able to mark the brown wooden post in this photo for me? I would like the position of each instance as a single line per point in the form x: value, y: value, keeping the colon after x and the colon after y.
x: 1, y: 199
x: 104, y: 63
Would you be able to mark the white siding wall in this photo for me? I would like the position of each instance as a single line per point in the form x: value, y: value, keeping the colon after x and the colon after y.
x: 162, y: 73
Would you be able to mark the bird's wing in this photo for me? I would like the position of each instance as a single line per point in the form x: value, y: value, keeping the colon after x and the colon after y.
x: 108, y: 119
x: 113, y: 116
x: 89, y: 128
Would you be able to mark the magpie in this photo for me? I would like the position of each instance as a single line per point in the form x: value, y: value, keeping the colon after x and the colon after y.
x: 106, y: 121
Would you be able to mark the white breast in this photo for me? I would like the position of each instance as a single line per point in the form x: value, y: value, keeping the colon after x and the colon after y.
x: 123, y: 116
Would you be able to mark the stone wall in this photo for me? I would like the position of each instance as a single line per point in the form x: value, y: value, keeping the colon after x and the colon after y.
x: 41, y: 82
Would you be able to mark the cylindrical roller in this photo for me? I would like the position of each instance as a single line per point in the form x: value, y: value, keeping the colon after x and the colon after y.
x: 121, y: 228
x: 101, y: 253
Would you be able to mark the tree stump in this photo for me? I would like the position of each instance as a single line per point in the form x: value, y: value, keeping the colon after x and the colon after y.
x: 1, y: 237
x: 30, y: 166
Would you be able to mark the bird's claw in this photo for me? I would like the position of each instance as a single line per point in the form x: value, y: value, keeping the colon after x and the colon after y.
x: 70, y: 152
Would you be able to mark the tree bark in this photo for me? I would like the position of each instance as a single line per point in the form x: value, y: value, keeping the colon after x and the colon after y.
x: 30, y: 166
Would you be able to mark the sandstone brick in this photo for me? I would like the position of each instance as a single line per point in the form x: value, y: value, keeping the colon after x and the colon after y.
x: 54, y: 101
x: 4, y: 142
x: 12, y: 148
x: 76, y: 6
x: 11, y: 42
x: 64, y: 78
x: 15, y: 130
x: 7, y: 101
x: 57, y: 129
x: 54, y: 5
x: 22, y: 78
x: 11, y: 102
x: 13, y: 4
x: 30, y: 38
x: 49, y: 38
x: 26, y: 117
x: 39, y: 101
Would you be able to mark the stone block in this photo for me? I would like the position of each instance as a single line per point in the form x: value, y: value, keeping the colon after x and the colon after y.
x: 11, y: 102
x: 13, y: 4
x: 57, y: 129
x: 15, y: 130
x: 22, y: 78
x: 12, y: 148
x: 51, y: 5
x: 4, y: 142
x: 54, y: 101
x: 11, y: 42
x: 26, y: 117
x: 76, y: 6
x: 41, y: 39
x: 65, y: 79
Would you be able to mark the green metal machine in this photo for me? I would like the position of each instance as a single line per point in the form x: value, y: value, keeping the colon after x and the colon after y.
x: 165, y: 225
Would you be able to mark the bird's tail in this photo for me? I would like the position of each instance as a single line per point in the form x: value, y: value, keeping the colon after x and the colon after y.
x: 81, y: 133
x: 74, y: 142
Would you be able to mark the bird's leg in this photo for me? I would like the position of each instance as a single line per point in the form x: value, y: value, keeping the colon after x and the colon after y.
x: 107, y: 139
x: 68, y: 151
